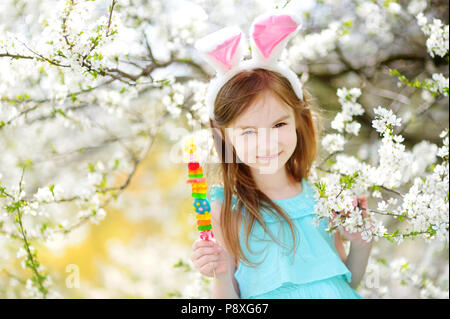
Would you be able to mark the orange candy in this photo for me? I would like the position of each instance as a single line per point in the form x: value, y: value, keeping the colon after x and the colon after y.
x: 203, y: 222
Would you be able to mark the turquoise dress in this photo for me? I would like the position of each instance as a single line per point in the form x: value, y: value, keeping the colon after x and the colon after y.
x: 315, y: 272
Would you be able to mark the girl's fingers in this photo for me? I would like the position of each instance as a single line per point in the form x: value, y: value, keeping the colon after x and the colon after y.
x: 371, y: 223
x: 354, y: 201
x: 204, y: 251
x: 340, y: 213
x: 363, y: 201
x: 208, y: 268
x: 202, y: 243
x: 364, y: 210
x: 203, y: 260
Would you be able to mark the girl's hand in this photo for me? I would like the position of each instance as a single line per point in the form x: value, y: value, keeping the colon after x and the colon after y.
x: 361, y: 202
x: 208, y: 255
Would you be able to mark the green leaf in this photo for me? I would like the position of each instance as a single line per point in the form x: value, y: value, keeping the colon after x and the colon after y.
x: 388, y: 237
x: 116, y: 163
x: 103, y: 182
x: 375, y: 188
x: 59, y: 111
x: 91, y: 167
x: 27, y: 163
x: 51, y: 188
x: 179, y: 264
x: 431, y: 231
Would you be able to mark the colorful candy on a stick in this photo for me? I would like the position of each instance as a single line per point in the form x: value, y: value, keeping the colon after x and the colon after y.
x: 199, y: 190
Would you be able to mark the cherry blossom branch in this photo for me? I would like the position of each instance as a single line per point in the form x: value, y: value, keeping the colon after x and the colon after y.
x: 16, y: 56
x: 31, y: 261
x: 64, y: 26
x: 111, y: 9
x: 39, y: 102
x: 342, y: 174
x: 110, y: 140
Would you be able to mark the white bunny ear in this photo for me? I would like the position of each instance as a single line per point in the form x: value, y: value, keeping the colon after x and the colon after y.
x: 270, y: 33
x: 222, y: 49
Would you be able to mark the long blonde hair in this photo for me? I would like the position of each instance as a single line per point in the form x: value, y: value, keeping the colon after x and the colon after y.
x: 232, y: 100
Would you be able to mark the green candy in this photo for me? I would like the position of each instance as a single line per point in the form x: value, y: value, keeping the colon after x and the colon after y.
x: 205, y: 227
x: 198, y: 195
x: 195, y: 175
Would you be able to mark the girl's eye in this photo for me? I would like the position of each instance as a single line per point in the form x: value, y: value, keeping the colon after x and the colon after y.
x: 282, y: 124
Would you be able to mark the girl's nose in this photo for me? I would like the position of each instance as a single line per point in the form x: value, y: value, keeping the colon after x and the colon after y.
x: 268, y: 142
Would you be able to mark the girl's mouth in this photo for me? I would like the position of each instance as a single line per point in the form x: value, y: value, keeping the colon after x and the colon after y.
x: 269, y: 157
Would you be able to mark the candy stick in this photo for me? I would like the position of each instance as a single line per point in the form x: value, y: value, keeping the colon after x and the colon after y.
x: 199, y: 190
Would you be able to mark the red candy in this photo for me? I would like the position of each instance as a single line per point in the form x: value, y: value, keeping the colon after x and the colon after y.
x: 193, y: 165
x: 206, y: 235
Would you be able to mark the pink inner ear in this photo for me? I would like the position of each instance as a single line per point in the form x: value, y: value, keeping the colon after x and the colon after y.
x: 271, y: 31
x: 224, y: 52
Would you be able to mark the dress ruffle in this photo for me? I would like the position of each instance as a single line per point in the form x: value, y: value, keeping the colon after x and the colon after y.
x: 329, y: 288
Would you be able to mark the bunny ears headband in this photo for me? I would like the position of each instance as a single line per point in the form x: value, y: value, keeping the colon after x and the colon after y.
x: 269, y: 34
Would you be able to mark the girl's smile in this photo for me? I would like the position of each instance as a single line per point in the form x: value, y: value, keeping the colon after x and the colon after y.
x: 268, y: 158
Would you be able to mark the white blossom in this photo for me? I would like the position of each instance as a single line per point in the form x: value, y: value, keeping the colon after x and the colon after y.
x: 384, y: 118
x: 416, y: 6
x: 44, y: 194
x: 333, y: 142
x: 438, y: 35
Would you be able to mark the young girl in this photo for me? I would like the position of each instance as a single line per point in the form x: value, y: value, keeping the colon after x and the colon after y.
x: 267, y: 245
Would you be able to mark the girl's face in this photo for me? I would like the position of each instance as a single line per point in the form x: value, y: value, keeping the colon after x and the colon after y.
x: 264, y: 136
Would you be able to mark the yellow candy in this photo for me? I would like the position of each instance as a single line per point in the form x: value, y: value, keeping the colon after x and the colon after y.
x: 205, y: 216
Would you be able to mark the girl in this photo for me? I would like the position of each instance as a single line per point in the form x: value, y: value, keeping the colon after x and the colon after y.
x: 266, y: 127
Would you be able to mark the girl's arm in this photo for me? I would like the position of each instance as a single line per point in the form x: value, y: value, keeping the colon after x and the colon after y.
x: 224, y: 285
x: 339, y: 244
x: 357, y: 261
